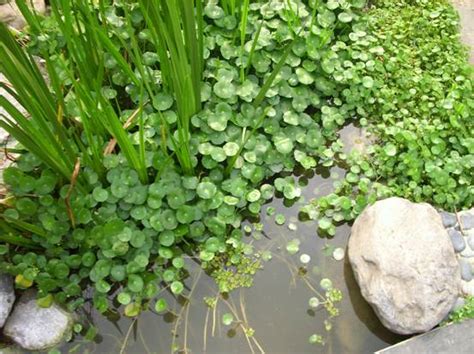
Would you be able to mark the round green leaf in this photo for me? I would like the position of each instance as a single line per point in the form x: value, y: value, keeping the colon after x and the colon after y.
x: 177, y: 287
x: 227, y: 319
x: 161, y: 305
x: 206, y: 190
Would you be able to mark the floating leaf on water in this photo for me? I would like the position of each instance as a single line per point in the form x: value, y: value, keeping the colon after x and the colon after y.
x: 313, y: 302
x: 270, y: 211
x: 161, y: 305
x: 280, y: 219
x: 305, y: 258
x: 227, y: 319
x: 327, y: 325
x: 328, y: 250
x: 316, y: 339
x: 324, y: 223
x: 177, y: 287
x: 293, y: 246
x: 132, y: 310
x: 266, y: 255
x: 326, y: 283
x: 338, y: 254
x: 292, y: 226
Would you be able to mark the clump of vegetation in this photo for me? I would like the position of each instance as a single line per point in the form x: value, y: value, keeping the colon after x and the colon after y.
x: 163, y: 124
x: 234, y: 268
x: 155, y: 133
x: 466, y: 312
x: 419, y: 109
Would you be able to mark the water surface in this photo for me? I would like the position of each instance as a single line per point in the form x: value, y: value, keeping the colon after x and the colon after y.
x: 276, y: 306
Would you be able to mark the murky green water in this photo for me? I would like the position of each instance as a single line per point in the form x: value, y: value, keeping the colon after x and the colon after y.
x: 276, y: 307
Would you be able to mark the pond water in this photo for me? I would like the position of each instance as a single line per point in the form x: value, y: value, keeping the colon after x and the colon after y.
x: 275, y: 307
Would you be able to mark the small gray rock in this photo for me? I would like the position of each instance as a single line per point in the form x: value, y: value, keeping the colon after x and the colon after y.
x: 468, y: 287
x: 457, y: 240
x: 466, y: 270
x: 36, y: 328
x: 467, y: 221
x: 449, y: 219
x: 470, y: 241
x: 7, y: 297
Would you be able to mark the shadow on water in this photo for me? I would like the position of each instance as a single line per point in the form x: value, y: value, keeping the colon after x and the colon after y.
x: 364, y: 312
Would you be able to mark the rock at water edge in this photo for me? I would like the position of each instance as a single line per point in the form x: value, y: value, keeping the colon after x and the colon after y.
x: 405, y: 264
x: 7, y: 297
x: 36, y: 328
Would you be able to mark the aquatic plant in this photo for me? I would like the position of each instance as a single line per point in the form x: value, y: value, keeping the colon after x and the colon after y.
x: 170, y: 143
x: 163, y: 125
x: 410, y: 85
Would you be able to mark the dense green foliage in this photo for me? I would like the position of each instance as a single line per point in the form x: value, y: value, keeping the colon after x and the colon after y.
x: 140, y: 212
x: 419, y: 111
x: 279, y: 80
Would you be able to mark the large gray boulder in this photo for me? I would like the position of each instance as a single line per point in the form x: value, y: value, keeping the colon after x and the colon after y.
x: 7, y: 297
x: 36, y: 328
x: 405, y: 264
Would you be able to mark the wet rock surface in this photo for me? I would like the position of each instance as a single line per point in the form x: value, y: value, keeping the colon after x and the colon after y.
x: 405, y: 264
x: 36, y: 328
x: 7, y: 297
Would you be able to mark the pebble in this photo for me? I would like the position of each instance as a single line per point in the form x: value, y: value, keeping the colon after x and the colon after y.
x: 466, y: 270
x: 470, y: 241
x: 457, y: 240
x: 448, y: 219
x: 467, y: 221
x: 468, y: 287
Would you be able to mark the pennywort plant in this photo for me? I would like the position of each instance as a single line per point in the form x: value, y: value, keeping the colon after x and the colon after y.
x: 416, y: 102
x: 162, y: 124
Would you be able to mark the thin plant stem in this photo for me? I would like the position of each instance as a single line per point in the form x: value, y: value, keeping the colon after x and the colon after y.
x: 175, y: 329
x: 204, y: 337
x: 125, y: 340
